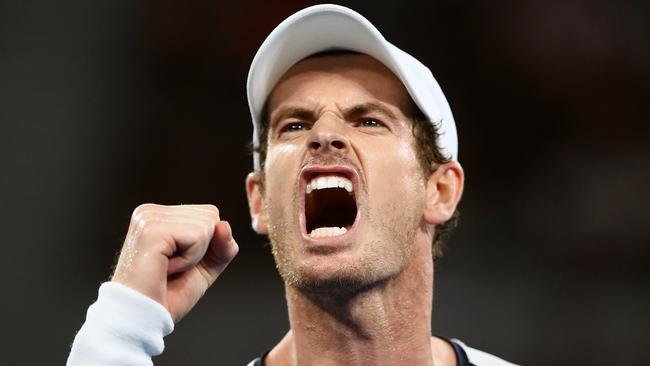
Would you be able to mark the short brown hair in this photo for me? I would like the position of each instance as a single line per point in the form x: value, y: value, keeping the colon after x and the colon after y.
x: 428, y: 151
x: 426, y: 146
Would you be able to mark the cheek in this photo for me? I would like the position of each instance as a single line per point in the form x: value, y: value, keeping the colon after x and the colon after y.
x: 411, y: 170
x: 399, y: 173
x: 281, y: 149
x: 278, y: 153
x: 281, y: 168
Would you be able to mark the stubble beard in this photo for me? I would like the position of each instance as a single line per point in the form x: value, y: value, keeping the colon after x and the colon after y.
x: 384, y: 256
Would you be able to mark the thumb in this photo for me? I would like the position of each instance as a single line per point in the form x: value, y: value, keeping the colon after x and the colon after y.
x: 221, y: 250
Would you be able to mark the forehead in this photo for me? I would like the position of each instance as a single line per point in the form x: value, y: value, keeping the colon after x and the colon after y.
x: 340, y: 78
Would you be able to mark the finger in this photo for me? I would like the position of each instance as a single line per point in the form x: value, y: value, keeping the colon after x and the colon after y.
x: 222, y: 249
x: 175, y: 217
x: 210, y: 210
x: 149, y: 210
x: 191, y: 244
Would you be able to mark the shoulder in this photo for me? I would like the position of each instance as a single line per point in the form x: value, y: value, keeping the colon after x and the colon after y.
x: 476, y: 357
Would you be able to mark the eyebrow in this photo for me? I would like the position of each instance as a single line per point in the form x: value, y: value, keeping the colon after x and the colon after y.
x: 293, y: 112
x: 310, y: 115
x: 369, y: 107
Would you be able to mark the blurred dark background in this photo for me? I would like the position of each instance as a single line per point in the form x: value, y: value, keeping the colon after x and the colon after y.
x: 108, y: 104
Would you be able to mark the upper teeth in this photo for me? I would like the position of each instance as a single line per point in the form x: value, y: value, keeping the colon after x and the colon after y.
x: 331, y: 181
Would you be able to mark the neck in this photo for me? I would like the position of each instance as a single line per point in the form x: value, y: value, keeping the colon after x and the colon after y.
x: 386, y: 324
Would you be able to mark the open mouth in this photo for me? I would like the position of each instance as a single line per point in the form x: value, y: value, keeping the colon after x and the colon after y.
x: 330, y: 203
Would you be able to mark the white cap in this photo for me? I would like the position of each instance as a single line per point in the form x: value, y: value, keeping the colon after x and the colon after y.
x: 333, y: 27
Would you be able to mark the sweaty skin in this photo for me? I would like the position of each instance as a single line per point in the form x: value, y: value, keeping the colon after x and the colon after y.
x: 174, y: 253
x: 363, y: 298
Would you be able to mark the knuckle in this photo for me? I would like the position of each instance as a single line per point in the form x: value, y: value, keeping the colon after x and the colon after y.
x: 208, y: 230
x: 148, y: 226
x: 142, y: 220
x: 214, y: 209
x: 211, y: 210
x: 153, y: 233
x: 199, y: 232
x: 142, y: 209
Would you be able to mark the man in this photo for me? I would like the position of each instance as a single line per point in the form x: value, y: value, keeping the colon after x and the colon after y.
x: 356, y: 175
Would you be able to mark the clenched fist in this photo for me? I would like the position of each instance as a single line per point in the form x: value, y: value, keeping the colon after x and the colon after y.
x: 174, y: 253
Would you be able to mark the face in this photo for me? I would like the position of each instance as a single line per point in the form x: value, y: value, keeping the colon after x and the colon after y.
x: 343, y: 192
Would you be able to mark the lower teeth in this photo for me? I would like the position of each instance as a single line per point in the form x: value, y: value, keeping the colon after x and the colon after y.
x: 322, y: 232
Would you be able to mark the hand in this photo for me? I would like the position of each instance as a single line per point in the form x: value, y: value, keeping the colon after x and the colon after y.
x: 174, y: 253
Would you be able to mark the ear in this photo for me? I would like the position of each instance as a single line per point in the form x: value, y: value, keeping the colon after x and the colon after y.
x: 444, y: 189
x: 256, y: 203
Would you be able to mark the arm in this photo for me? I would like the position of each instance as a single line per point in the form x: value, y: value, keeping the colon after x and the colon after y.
x: 170, y: 257
x: 123, y: 327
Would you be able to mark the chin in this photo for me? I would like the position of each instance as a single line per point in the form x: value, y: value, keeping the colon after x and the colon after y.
x: 338, y: 273
x: 366, y: 257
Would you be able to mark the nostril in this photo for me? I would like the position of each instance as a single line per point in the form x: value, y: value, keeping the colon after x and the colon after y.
x: 338, y: 144
x: 314, y: 145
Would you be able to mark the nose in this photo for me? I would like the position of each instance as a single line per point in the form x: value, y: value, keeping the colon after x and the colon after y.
x: 327, y: 136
